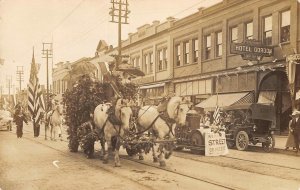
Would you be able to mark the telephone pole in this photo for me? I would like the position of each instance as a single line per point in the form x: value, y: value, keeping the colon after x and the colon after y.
x: 20, y: 77
x: 9, y: 84
x: 47, y: 53
x: 120, y: 11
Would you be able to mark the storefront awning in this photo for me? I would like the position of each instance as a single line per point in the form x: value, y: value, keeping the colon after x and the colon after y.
x: 226, y: 100
x: 152, y: 86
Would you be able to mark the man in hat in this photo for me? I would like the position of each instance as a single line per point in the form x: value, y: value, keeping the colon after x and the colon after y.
x: 295, y: 128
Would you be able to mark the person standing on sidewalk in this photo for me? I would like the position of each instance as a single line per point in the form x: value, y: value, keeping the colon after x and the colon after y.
x: 295, y: 126
x: 19, y: 118
x: 290, y: 142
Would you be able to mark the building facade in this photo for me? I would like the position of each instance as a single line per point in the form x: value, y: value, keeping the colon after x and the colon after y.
x: 199, y: 61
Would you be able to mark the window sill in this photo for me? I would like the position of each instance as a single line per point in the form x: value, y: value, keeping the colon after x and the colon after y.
x: 208, y: 60
x: 284, y: 43
x: 160, y: 71
x: 186, y: 65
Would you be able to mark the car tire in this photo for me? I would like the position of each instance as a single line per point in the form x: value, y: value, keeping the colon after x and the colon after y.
x: 242, y: 140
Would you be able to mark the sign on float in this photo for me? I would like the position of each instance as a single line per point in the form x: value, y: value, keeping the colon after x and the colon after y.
x: 215, y: 144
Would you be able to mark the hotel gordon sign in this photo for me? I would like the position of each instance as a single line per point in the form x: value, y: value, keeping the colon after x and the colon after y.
x: 251, y: 50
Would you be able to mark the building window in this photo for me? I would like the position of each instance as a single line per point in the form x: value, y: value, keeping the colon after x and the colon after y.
x: 195, y: 50
x: 146, y: 63
x: 267, y: 35
x: 249, y: 31
x: 207, y: 47
x: 177, y: 53
x: 219, y: 44
x: 186, y: 52
x: 285, y: 26
x: 160, y: 60
x: 234, y: 34
x: 151, y: 63
x: 137, y: 62
x: 165, y: 60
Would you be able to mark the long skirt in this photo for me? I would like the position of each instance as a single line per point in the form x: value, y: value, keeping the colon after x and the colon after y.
x: 290, y: 142
x: 19, y: 131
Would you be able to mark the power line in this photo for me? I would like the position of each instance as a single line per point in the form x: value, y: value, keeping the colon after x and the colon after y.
x: 65, y: 18
x: 201, y: 1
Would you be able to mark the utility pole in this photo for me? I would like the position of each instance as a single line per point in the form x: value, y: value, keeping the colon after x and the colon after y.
x: 120, y: 10
x: 47, y: 52
x: 9, y: 85
x: 20, y: 77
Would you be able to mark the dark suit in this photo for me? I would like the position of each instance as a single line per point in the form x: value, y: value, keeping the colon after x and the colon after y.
x: 295, y: 125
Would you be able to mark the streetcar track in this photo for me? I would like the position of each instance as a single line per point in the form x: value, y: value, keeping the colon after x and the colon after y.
x: 240, y: 159
x: 195, y: 159
x: 142, y: 163
x: 228, y: 157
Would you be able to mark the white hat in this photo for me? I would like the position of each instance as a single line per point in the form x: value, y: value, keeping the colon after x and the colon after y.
x: 295, y: 112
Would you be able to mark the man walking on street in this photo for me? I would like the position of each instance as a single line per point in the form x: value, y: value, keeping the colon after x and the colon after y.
x: 295, y: 126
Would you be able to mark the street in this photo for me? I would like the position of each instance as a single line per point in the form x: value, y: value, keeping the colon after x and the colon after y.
x: 33, y: 163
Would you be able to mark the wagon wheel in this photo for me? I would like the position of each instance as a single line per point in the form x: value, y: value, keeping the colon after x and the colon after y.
x: 269, y: 145
x: 196, y: 140
x: 130, y: 151
x: 242, y: 140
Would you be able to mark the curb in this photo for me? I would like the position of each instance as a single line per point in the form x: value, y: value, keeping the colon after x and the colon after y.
x: 286, y: 152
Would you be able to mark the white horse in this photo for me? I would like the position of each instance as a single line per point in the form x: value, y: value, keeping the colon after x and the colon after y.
x: 112, y: 133
x: 149, y: 120
x: 55, y: 123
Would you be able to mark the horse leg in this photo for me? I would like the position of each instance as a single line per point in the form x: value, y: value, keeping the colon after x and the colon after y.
x: 102, y: 152
x: 141, y: 154
x: 54, y: 133
x: 116, y: 148
x: 162, y: 162
x: 51, y: 132
x: 109, y: 150
x: 60, y: 132
x: 155, y: 159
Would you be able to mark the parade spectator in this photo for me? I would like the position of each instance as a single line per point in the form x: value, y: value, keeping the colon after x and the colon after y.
x: 19, y: 118
x: 295, y: 126
x: 290, y: 142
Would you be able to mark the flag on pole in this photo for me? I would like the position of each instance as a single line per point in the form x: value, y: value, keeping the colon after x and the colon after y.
x: 216, y: 115
x: 35, y: 99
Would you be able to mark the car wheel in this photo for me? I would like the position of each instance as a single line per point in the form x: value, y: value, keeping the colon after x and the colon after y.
x: 242, y: 140
x: 197, y: 141
x: 269, y: 145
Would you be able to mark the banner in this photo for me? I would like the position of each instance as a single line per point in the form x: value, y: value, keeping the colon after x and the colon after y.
x: 215, y: 144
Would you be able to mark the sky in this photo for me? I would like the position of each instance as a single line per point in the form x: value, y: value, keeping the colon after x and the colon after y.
x: 75, y: 28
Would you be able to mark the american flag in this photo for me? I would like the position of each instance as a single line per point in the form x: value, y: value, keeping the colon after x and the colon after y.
x: 35, y: 96
x: 216, y: 115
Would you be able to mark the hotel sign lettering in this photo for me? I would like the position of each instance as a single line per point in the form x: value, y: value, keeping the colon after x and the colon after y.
x: 251, y: 50
x: 240, y: 48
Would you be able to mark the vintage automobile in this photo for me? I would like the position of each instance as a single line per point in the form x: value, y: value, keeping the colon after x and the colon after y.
x: 5, y: 120
x: 252, y: 124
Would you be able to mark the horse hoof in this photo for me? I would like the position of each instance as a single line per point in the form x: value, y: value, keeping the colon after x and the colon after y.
x: 155, y: 159
x: 141, y: 157
x: 162, y: 164
x: 117, y: 165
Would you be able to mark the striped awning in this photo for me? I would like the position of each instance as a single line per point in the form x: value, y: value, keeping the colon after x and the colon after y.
x: 224, y: 100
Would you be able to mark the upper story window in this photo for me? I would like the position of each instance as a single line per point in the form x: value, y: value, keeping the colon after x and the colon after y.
x: 186, y: 52
x: 136, y: 62
x: 160, y: 59
x: 195, y: 50
x: 285, y: 26
x: 146, y: 63
x: 267, y: 33
x: 234, y: 34
x: 207, y: 47
x: 177, y: 54
x: 219, y: 44
x: 165, y: 59
x: 249, y: 31
x: 151, y: 66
